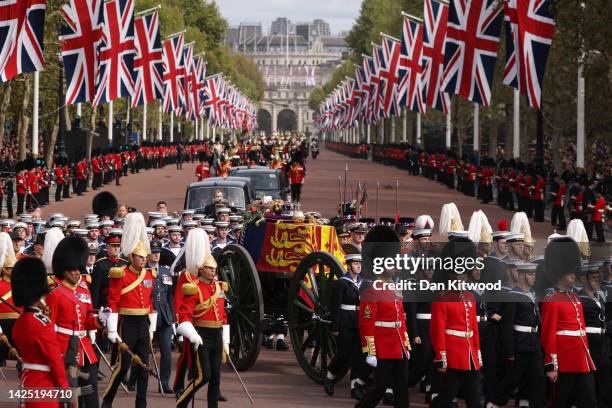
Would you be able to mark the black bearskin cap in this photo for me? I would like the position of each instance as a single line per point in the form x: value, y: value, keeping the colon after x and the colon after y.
x: 380, y: 242
x: 561, y: 257
x: 105, y: 204
x: 28, y: 281
x: 71, y: 253
x: 456, y: 249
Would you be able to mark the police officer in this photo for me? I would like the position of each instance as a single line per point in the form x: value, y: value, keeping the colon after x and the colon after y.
x: 344, y: 325
x: 520, y: 342
x: 163, y: 303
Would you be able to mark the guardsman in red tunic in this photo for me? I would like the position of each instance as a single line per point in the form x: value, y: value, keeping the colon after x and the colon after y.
x: 202, y: 319
x: 598, y: 215
x: 34, y: 333
x: 557, y: 215
x: 223, y: 169
x: 96, y: 169
x: 538, y: 199
x: 296, y: 175
x: 117, y: 161
x: 8, y: 314
x: 133, y: 320
x: 72, y: 311
x: 203, y: 169
x: 454, y: 333
x: 567, y: 358
x: 384, y: 337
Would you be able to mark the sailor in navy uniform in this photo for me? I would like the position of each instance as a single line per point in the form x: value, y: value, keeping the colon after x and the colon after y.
x: 159, y: 227
x: 594, y: 307
x: 172, y: 249
x: 520, y: 341
x: 222, y: 239
x: 345, y: 325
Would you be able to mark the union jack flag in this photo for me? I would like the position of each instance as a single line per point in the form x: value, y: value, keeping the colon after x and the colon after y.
x: 198, y: 73
x: 434, y: 34
x: 530, y: 29
x: 187, y: 61
x: 390, y: 76
x: 375, y: 98
x: 174, y: 95
x: 22, y: 25
x: 80, y: 36
x: 368, y: 67
x: 148, y: 64
x: 212, y: 100
x: 363, y: 85
x: 116, y: 52
x: 470, y: 52
x: 410, y: 63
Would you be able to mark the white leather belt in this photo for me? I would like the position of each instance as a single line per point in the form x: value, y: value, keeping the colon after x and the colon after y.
x: 388, y: 324
x: 459, y: 333
x: 70, y: 332
x: 571, y: 333
x: 423, y: 316
x: 481, y: 318
x: 525, y: 329
x: 349, y: 307
x: 595, y: 330
x: 36, y: 367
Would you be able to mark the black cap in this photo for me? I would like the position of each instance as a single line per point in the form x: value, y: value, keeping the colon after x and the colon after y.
x: 156, y: 246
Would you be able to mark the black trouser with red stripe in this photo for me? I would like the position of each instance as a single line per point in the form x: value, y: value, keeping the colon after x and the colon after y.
x: 134, y: 331
x: 182, y: 365
x: 206, y: 369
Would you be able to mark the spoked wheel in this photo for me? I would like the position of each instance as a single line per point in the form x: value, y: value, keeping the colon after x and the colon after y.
x: 245, y: 309
x: 309, y: 314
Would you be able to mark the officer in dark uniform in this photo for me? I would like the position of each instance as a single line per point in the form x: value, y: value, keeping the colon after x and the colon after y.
x: 344, y: 325
x: 163, y: 303
x: 99, y: 276
x: 594, y: 308
x: 520, y: 341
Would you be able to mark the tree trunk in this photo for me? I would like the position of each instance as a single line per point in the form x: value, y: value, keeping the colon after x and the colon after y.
x: 50, y: 144
x: 6, y: 100
x: 493, y: 137
x: 508, y: 126
x: 24, y: 118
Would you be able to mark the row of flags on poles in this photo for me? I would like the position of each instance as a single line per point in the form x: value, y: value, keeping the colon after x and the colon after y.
x: 108, y: 54
x: 452, y: 50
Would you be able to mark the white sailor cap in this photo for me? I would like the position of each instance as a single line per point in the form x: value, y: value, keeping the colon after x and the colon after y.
x: 237, y: 227
x: 198, y: 217
x: 458, y: 234
x: 57, y: 223
x: 190, y: 224
x: 55, y: 215
x: 422, y: 232
x: 209, y: 228
x: 235, y: 218
x: 74, y: 223
x: 352, y: 258
x: 7, y: 222
x: 80, y: 232
x: 223, y: 210
x: 20, y: 225
x: 174, y: 228
x: 173, y: 221
x: 499, y: 235
x: 514, y: 237
x: 155, y: 214
x: 188, y: 212
x: 222, y: 224
x: 107, y: 223
x: 526, y: 266
x: 92, y: 225
x: 158, y: 223
x: 207, y: 221
x: 149, y: 230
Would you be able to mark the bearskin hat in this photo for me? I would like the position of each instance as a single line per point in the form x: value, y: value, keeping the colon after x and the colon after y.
x: 105, y: 204
x: 561, y: 257
x: 455, y: 250
x: 380, y: 242
x: 71, y: 253
x: 28, y: 281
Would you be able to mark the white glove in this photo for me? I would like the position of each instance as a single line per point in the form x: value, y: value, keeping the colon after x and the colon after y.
x: 111, y: 325
x: 152, y: 324
x: 92, y: 336
x: 187, y: 330
x: 371, y: 360
x: 226, y: 339
x: 103, y: 315
x: 1, y: 332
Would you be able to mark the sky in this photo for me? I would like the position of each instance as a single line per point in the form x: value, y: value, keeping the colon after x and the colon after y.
x: 340, y: 14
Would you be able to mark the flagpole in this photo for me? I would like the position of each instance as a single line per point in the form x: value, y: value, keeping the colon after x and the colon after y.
x: 449, y: 128
x: 476, y: 127
x: 195, y: 136
x: 35, y: 114
x: 79, y: 109
x: 171, y: 127
x: 160, y: 127
x: 144, y: 122
x: 110, y: 122
x: 418, y: 126
x: 148, y: 11
x: 404, y: 124
x: 516, y: 127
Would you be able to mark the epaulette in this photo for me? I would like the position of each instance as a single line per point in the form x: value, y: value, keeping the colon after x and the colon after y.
x: 154, y: 273
x: 224, y: 286
x: 51, y: 281
x: 101, y: 259
x: 189, y: 289
x: 87, y: 278
x: 43, y: 318
x: 116, y: 273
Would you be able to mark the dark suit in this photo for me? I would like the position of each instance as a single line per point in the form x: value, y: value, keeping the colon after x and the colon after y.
x: 163, y: 293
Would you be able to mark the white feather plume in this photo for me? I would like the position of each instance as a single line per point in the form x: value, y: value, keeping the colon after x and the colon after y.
x: 52, y: 238
x: 197, y: 247
x: 424, y: 222
x: 6, y: 247
x: 448, y: 216
x: 577, y: 232
x: 134, y: 230
x: 520, y: 224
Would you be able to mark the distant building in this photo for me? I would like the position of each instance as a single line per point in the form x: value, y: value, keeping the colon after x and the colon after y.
x: 282, y: 25
x: 321, y: 28
x: 232, y: 36
x: 305, y: 30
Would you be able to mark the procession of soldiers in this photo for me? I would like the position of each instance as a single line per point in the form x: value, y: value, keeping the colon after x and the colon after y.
x: 124, y: 289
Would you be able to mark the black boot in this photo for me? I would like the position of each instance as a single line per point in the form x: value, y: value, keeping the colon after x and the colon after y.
x: 281, y: 345
x: 358, y: 392
x: 328, y: 386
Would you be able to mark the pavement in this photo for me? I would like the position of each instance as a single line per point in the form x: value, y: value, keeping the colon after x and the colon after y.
x: 276, y: 380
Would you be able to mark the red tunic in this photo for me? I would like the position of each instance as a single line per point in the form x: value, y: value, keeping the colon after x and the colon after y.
x: 296, y: 174
x: 198, y: 309
x: 72, y: 310
x: 454, y: 331
x: 563, y: 335
x: 539, y: 189
x: 6, y: 311
x: 32, y: 182
x: 202, y: 171
x: 136, y: 298
x: 35, y: 338
x: 382, y: 324
x: 95, y: 165
x: 598, y: 209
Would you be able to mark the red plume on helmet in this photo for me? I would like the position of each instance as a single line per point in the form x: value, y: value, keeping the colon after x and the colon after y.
x: 502, y: 225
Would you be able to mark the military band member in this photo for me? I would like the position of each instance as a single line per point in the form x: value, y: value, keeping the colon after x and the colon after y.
x: 520, y: 342
x: 594, y: 307
x: 130, y: 293
x: 296, y: 174
x: 72, y: 311
x: 33, y: 333
x: 344, y: 325
x: 8, y: 315
x: 454, y: 334
x: 202, y: 319
x: 567, y: 358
